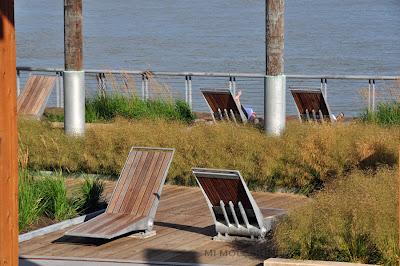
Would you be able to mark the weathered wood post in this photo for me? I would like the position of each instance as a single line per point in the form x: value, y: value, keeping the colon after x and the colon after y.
x: 275, y: 80
x: 74, y: 76
x: 8, y: 138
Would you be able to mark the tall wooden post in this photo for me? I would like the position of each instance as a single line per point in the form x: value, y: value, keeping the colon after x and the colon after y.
x: 73, y: 42
x: 275, y: 81
x: 8, y: 138
x: 74, y: 77
x: 275, y: 36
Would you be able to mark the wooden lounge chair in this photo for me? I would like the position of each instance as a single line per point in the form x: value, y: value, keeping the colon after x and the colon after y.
x: 135, y: 199
x: 223, y: 106
x: 311, y: 105
x: 233, y: 208
x: 32, y: 101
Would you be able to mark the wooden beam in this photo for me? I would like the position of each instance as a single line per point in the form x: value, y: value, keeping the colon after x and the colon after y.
x: 8, y: 138
x: 73, y: 40
x: 274, y: 36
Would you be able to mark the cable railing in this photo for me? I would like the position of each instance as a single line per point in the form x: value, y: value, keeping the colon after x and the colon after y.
x: 350, y: 94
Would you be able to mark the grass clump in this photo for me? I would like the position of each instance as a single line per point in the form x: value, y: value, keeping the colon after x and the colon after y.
x: 40, y: 197
x: 104, y: 107
x: 352, y: 220
x: 43, y: 199
x: 303, y: 160
x: 387, y: 114
x: 91, y: 198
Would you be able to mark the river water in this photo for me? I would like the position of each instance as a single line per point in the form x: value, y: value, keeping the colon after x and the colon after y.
x: 322, y: 36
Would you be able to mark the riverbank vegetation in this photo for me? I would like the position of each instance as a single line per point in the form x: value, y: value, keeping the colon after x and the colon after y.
x: 303, y: 160
x: 105, y: 108
x: 386, y: 114
x: 354, y: 219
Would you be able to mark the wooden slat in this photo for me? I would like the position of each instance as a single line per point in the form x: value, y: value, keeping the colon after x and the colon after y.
x: 127, y: 189
x: 35, y: 95
x: 147, y: 175
x: 148, y: 202
x: 123, y: 182
x: 137, y: 181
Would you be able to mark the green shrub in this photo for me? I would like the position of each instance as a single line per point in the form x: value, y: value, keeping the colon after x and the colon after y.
x: 105, y: 107
x: 385, y: 114
x: 54, y: 193
x: 353, y: 220
x: 91, y: 195
x: 43, y: 197
x: 30, y: 201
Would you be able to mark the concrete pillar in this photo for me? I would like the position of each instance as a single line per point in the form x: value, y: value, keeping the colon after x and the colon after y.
x: 74, y: 77
x: 74, y: 102
x: 275, y: 80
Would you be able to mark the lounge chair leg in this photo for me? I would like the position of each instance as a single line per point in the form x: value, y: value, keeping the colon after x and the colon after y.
x: 226, y: 115
x: 143, y: 235
x: 314, y: 116
x: 308, y: 115
x: 220, y: 114
x: 321, y: 117
x: 233, y: 116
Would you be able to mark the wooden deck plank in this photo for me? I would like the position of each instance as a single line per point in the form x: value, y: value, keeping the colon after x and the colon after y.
x: 184, y: 228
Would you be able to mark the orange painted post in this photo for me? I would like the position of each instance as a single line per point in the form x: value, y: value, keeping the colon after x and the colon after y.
x: 8, y: 138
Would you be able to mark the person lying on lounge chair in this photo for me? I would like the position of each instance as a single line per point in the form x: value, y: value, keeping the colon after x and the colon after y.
x: 248, y: 111
x: 337, y: 118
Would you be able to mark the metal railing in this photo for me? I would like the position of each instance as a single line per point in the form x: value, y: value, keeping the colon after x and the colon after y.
x: 343, y: 90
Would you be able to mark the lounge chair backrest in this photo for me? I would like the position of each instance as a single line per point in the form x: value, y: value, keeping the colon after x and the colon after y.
x: 32, y: 100
x: 311, y: 105
x: 223, y: 106
x: 228, y: 197
x: 139, y: 186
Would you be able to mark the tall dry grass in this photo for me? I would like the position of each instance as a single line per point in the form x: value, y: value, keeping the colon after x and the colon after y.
x: 353, y: 219
x: 304, y: 159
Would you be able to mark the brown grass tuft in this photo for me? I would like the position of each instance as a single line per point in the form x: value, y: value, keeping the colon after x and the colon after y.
x: 353, y: 220
x: 304, y: 159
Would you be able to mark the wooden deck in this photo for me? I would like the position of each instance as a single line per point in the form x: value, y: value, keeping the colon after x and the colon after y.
x: 184, y: 230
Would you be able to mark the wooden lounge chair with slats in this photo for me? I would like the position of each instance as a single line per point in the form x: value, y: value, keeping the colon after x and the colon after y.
x: 311, y: 105
x: 233, y: 208
x: 223, y: 106
x: 135, y: 199
x: 33, y: 99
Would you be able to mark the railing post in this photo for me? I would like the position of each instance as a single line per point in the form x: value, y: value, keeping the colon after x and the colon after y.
x: 18, y: 83
x: 186, y: 89
x: 146, y: 87
x: 143, y: 87
x: 234, y: 86
x: 373, y: 95
x: 58, y: 89
x: 326, y: 89
x: 190, y: 92
x: 230, y: 84
x: 369, y: 95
